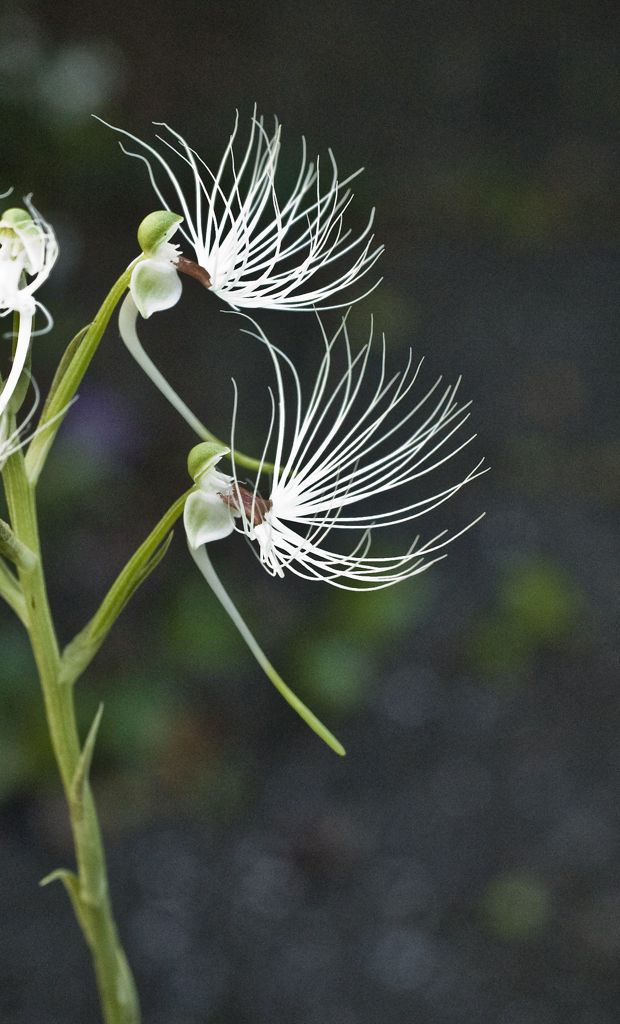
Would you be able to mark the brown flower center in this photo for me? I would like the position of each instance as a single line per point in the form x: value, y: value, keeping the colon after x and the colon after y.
x: 193, y: 269
x: 254, y: 507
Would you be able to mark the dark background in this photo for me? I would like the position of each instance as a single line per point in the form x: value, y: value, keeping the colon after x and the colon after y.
x: 460, y: 865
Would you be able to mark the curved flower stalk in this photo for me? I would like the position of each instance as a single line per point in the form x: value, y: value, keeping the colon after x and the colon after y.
x: 28, y: 251
x: 208, y: 515
x: 252, y: 248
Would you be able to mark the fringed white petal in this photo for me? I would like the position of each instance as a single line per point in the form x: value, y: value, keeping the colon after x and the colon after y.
x: 262, y: 251
x: 350, y: 444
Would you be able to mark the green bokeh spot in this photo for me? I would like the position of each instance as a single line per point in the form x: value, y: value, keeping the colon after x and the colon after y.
x: 541, y: 599
x: 200, y: 637
x: 336, y: 674
x: 537, y: 605
x: 516, y: 906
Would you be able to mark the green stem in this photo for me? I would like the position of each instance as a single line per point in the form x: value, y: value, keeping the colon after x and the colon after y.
x: 67, y: 382
x: 89, y: 890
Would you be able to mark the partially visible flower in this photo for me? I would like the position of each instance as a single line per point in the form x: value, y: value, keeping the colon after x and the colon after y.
x: 28, y: 251
x: 13, y: 437
x: 252, y: 248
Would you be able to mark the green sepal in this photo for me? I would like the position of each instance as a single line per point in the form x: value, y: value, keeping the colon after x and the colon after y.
x: 203, y: 457
x: 17, y: 218
x: 156, y: 228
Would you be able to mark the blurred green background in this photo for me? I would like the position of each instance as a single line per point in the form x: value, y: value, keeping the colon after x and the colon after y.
x: 460, y: 866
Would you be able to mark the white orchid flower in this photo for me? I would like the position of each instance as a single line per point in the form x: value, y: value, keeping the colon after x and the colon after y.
x: 28, y: 251
x: 350, y: 445
x: 250, y: 247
